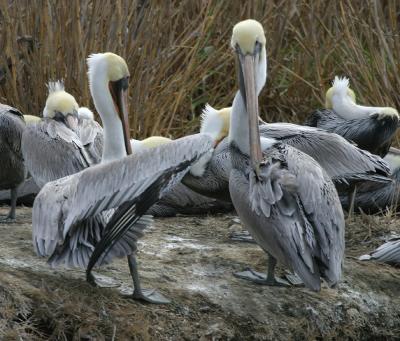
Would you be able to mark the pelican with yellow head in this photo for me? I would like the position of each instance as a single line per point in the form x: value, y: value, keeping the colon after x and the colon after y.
x: 371, y: 128
x: 91, y: 217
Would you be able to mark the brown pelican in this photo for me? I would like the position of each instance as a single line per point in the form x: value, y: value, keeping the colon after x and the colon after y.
x: 13, y: 171
x: 285, y: 199
x: 69, y: 223
x: 388, y: 252
x: 345, y: 163
x: 63, y: 143
x: 371, y: 128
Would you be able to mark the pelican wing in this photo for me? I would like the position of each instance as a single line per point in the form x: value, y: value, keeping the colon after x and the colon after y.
x: 369, y: 133
x: 298, y: 212
x: 214, y: 182
x: 388, y: 252
x: 91, y: 136
x: 342, y: 161
x: 321, y: 207
x: 52, y: 151
x: 63, y: 205
x: 11, y: 118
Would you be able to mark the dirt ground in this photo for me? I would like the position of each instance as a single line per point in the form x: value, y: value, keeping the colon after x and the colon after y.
x: 191, y: 260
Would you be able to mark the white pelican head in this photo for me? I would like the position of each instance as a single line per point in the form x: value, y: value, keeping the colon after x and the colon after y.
x: 215, y: 122
x: 108, y: 80
x: 248, y: 41
x: 340, y: 87
x: 60, y: 105
x: 342, y: 100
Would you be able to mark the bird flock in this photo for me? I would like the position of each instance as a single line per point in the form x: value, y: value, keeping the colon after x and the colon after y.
x: 98, y: 190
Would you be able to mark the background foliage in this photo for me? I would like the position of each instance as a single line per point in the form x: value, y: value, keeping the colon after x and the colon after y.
x: 179, y: 56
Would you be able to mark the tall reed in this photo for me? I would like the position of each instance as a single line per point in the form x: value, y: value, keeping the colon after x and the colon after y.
x: 179, y: 55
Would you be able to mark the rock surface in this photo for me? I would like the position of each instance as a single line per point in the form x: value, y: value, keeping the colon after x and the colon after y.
x: 191, y: 260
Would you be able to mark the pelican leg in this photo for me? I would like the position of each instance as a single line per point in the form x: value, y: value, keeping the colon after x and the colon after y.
x: 10, y: 218
x: 351, y: 199
x: 261, y: 278
x: 147, y: 295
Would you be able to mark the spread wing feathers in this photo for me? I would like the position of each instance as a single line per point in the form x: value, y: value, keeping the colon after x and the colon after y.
x: 294, y: 186
x: 130, y: 212
x: 388, y: 252
x: 369, y: 133
x: 12, y: 125
x: 342, y: 161
x: 69, y: 201
x: 52, y: 151
x: 81, y: 241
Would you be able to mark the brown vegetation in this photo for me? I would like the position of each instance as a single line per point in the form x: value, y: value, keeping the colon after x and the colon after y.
x: 179, y: 55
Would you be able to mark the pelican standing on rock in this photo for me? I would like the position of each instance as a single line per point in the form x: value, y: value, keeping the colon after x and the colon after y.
x: 63, y: 143
x: 13, y: 171
x: 285, y: 199
x: 371, y: 128
x: 71, y: 216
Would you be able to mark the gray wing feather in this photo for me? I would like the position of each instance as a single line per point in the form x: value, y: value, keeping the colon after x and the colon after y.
x: 298, y: 213
x: 182, y: 200
x: 52, y: 151
x: 340, y: 159
x: 65, y: 204
x: 375, y: 197
x: 12, y: 125
x: 369, y: 133
x: 388, y: 252
x: 214, y: 182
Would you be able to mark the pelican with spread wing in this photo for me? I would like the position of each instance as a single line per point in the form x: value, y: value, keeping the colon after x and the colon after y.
x: 89, y: 218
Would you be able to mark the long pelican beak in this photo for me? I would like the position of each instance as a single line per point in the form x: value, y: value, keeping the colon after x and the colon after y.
x: 248, y: 90
x: 119, y: 93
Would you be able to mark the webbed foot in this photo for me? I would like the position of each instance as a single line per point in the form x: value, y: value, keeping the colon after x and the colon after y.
x: 261, y: 278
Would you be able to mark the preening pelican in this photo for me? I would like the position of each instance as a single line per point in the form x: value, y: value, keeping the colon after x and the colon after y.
x: 388, y: 252
x: 71, y: 216
x: 13, y: 171
x: 284, y: 198
x: 62, y: 143
x: 346, y: 164
x: 371, y: 128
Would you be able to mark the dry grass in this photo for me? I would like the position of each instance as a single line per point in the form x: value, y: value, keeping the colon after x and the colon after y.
x: 179, y: 56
